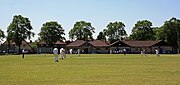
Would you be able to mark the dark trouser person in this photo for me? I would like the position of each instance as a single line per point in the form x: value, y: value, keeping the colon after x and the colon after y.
x: 23, y: 55
x: 124, y: 52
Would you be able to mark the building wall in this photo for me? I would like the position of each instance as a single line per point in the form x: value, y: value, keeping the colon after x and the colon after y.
x: 26, y: 47
x: 44, y: 50
x: 162, y: 49
x: 137, y: 50
x: 89, y: 49
x: 4, y: 49
x: 15, y: 49
x: 115, y: 50
x: 100, y: 50
x: 119, y: 50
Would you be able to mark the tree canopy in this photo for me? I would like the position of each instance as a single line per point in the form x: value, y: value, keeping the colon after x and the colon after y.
x: 142, y: 31
x: 51, y: 32
x: 82, y: 31
x: 115, y: 31
x: 101, y: 36
x: 2, y: 36
x: 19, y: 30
x: 170, y: 32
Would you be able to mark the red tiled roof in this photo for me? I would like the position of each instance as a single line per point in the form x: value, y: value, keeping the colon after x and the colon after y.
x: 118, y: 42
x: 98, y: 43
x: 11, y: 42
x: 141, y: 43
x: 77, y: 43
x: 60, y: 43
x: 6, y: 42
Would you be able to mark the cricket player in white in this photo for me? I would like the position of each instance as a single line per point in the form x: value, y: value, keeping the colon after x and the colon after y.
x: 23, y: 51
x: 62, y: 53
x: 55, y: 51
x: 70, y: 51
x: 157, y: 52
x: 142, y: 53
x: 110, y: 51
x: 79, y: 52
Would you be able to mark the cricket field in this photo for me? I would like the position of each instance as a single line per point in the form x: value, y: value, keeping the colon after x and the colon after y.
x: 90, y: 69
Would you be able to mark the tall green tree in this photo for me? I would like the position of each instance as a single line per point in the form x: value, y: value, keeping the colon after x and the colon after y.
x: 156, y: 30
x: 101, y: 36
x: 115, y: 31
x: 170, y: 32
x: 19, y: 30
x: 51, y: 32
x: 2, y: 36
x: 142, y: 31
x: 82, y: 31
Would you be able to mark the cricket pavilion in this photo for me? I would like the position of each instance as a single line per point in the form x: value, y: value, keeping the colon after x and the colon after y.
x: 102, y: 47
x: 11, y: 47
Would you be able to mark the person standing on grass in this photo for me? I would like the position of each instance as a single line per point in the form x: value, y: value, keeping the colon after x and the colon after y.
x: 62, y: 53
x: 110, y: 51
x: 70, y: 51
x: 157, y: 52
x: 55, y: 51
x: 78, y: 52
x: 23, y: 51
x: 124, y: 51
x: 143, y: 53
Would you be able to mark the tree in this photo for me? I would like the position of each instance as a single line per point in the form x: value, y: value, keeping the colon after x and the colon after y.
x: 51, y: 32
x: 2, y: 36
x: 101, y: 36
x: 115, y: 31
x: 82, y: 31
x: 19, y: 30
x: 155, y: 31
x: 170, y: 33
x: 34, y: 45
x: 142, y: 31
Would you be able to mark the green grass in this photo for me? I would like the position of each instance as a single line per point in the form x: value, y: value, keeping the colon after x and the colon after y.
x: 92, y: 69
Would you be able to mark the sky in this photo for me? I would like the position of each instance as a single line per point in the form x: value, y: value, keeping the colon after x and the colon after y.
x: 98, y: 12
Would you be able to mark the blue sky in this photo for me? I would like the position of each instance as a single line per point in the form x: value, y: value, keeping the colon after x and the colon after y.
x: 98, y: 12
